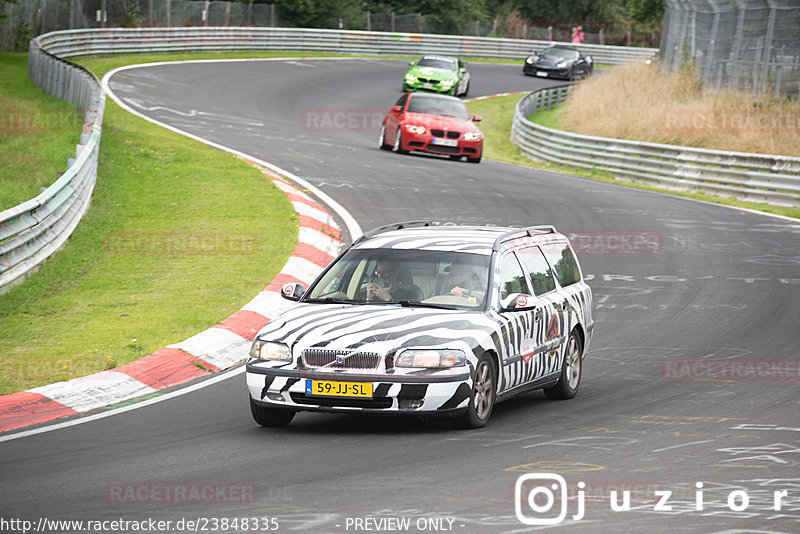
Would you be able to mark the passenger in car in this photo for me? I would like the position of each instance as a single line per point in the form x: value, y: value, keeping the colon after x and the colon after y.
x: 465, y: 282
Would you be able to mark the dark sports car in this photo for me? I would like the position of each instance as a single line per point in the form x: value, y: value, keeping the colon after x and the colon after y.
x: 559, y: 62
x: 432, y: 123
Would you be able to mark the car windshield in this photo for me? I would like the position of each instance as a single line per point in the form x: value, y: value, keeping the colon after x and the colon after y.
x: 412, y: 277
x: 433, y: 105
x: 559, y: 53
x: 438, y: 63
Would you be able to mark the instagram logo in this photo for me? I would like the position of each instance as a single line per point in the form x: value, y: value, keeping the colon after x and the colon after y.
x: 535, y: 495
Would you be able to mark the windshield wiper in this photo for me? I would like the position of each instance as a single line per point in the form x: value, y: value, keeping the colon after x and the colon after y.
x: 412, y: 303
x: 332, y: 300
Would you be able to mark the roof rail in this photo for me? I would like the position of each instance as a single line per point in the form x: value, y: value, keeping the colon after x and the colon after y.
x: 519, y: 232
x: 388, y: 227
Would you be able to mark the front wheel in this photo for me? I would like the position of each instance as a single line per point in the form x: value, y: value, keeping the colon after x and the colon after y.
x: 382, y: 139
x: 570, y: 379
x: 482, y: 399
x: 270, y: 417
x: 398, y: 143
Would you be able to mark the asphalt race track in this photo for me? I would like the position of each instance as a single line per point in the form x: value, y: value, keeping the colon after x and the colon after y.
x: 682, y: 290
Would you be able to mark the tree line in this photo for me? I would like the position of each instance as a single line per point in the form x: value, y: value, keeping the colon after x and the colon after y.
x: 455, y: 16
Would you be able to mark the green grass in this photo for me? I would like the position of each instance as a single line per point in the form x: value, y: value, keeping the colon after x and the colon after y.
x: 498, y: 114
x: 549, y: 118
x: 38, y: 132
x: 135, y: 277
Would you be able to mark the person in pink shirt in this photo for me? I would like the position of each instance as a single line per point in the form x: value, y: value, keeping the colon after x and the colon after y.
x: 578, y: 35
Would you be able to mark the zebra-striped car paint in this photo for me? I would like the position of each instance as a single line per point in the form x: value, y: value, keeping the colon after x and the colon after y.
x: 527, y: 346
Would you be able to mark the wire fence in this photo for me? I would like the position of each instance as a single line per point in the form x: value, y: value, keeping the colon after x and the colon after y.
x: 749, y: 45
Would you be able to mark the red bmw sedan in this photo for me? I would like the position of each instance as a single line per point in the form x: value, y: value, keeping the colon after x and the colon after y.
x: 436, y: 124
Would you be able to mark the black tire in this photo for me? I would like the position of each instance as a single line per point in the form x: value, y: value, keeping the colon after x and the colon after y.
x: 482, y: 398
x: 270, y: 417
x: 398, y: 143
x: 382, y: 139
x: 571, y: 370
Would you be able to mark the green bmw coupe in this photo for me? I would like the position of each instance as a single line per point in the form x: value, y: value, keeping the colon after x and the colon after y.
x: 437, y: 74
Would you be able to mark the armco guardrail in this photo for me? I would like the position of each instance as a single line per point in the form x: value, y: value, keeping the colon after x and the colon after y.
x: 753, y: 177
x: 113, y: 40
x: 34, y: 230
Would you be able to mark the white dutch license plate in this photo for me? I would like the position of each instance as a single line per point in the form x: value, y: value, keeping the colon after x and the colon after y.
x: 444, y: 142
x: 427, y: 86
x: 541, y: 73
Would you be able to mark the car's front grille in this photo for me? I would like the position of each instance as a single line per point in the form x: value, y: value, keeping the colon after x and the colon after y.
x: 340, y: 359
x: 377, y: 403
x: 442, y: 133
x: 444, y: 149
x: 426, y: 80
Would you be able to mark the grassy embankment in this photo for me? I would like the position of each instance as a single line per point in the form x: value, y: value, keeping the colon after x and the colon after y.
x: 638, y: 102
x: 38, y: 133
x: 178, y: 237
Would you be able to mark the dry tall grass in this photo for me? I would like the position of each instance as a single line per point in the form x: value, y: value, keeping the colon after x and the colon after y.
x: 644, y: 103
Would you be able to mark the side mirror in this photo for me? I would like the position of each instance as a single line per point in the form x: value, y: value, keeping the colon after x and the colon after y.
x: 518, y: 302
x: 412, y: 63
x: 397, y: 109
x: 293, y: 291
x: 477, y: 118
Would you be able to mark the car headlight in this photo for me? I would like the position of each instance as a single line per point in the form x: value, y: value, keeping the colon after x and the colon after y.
x: 431, y: 358
x: 410, y: 77
x: 473, y: 136
x: 269, y: 350
x: 447, y: 83
x: 562, y: 64
x: 529, y: 61
x: 415, y: 129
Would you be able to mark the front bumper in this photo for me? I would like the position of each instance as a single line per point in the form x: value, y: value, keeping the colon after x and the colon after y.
x: 426, y: 394
x: 428, y: 143
x: 432, y: 86
x: 532, y: 70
